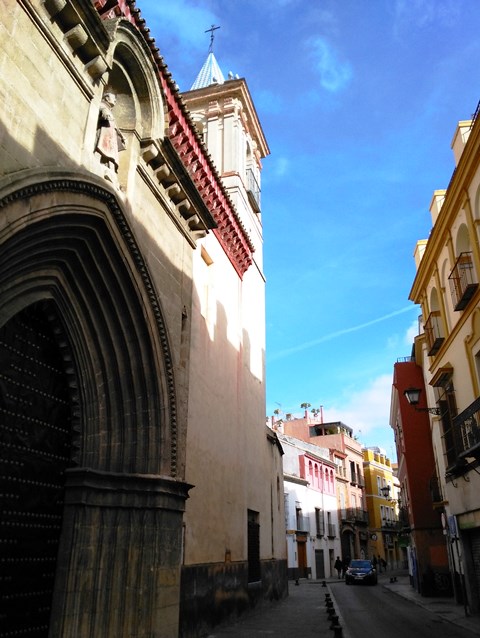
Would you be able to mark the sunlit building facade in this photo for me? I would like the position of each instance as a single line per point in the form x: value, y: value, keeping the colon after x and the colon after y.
x: 138, y: 478
x: 448, y: 351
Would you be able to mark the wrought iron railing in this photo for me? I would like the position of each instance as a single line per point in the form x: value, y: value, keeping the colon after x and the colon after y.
x: 354, y: 514
x: 332, y: 530
x: 436, y: 490
x: 303, y: 523
x: 433, y: 332
x: 466, y: 428
x: 253, y: 189
x: 463, y: 281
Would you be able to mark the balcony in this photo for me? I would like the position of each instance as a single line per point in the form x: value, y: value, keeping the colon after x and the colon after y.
x: 436, y: 493
x: 403, y: 520
x: 434, y: 332
x: 466, y: 428
x: 253, y: 190
x: 357, y: 479
x: 303, y: 523
x: 331, y: 531
x: 354, y: 515
x: 340, y: 471
x: 463, y: 281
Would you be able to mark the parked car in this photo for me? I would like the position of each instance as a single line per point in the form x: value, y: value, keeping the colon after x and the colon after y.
x: 361, y: 571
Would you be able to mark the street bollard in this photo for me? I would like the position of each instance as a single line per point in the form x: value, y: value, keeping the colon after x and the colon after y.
x: 337, y: 631
x: 334, y: 620
x: 331, y: 613
x: 324, y: 583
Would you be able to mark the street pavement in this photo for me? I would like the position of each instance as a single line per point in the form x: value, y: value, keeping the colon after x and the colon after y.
x: 303, y: 613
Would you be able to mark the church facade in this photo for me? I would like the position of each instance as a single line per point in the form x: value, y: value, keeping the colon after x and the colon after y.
x: 135, y: 461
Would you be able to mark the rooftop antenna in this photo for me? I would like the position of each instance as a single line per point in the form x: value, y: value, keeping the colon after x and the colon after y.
x: 212, y: 36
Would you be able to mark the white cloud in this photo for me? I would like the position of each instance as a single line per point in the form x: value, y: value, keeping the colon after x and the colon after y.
x: 334, y: 75
x: 280, y: 166
x: 366, y: 409
x: 411, y: 333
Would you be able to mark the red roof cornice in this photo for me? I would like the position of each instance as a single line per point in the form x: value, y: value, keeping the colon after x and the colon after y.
x: 182, y: 133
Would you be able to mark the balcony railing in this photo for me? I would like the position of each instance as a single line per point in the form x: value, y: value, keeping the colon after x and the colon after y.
x: 253, y: 190
x: 433, y: 332
x: 332, y: 530
x: 303, y: 523
x: 403, y: 520
x: 436, y: 490
x: 466, y: 428
x: 357, y: 479
x: 463, y: 281
x: 354, y: 514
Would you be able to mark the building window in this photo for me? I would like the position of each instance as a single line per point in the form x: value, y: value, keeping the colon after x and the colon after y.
x: 319, y: 522
x: 254, y: 573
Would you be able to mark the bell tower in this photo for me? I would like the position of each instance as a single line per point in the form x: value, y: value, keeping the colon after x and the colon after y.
x: 225, y: 116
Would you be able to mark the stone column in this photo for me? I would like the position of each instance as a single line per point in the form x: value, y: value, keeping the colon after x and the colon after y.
x: 119, y: 560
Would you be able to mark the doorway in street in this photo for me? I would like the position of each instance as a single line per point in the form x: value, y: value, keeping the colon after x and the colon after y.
x: 319, y: 563
x: 302, y: 559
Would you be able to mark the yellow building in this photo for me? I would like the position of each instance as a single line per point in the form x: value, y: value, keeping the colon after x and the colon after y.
x: 448, y: 350
x: 381, y: 495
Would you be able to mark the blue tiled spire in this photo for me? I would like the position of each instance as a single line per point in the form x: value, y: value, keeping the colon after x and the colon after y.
x: 210, y: 73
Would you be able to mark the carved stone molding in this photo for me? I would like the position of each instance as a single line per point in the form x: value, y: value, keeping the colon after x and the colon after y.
x: 97, y: 192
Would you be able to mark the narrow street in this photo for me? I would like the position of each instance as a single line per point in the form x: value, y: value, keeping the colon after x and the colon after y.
x: 381, y: 612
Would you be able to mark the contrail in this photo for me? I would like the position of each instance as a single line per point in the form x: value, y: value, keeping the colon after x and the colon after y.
x: 338, y: 333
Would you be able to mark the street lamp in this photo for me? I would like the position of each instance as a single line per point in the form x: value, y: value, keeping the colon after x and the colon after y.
x: 413, y: 396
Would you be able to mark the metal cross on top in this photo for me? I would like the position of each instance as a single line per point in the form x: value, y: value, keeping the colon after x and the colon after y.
x: 212, y: 36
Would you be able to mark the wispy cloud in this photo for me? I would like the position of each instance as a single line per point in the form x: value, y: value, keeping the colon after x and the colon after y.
x: 367, y: 411
x: 422, y: 14
x: 334, y: 74
x: 280, y: 166
x: 333, y: 335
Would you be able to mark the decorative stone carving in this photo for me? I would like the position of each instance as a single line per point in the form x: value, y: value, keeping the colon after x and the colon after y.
x: 110, y: 140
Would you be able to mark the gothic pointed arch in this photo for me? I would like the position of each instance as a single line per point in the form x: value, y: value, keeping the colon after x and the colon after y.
x: 66, y: 240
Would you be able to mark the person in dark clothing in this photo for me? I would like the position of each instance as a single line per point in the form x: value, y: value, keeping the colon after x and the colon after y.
x: 338, y: 566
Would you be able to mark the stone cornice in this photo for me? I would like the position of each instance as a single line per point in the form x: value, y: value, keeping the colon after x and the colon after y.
x: 230, y: 231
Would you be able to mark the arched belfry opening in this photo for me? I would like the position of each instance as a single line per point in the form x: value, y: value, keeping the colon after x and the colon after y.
x: 88, y: 397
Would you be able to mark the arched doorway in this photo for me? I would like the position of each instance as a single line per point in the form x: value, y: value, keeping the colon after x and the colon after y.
x: 35, y: 450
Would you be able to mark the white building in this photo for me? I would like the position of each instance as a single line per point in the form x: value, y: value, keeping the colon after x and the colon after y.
x: 311, y: 515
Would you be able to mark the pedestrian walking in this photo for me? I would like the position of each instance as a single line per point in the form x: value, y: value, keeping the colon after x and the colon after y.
x: 339, y: 566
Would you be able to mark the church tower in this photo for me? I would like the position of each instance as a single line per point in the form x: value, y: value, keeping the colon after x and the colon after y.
x: 234, y: 550
x: 225, y: 116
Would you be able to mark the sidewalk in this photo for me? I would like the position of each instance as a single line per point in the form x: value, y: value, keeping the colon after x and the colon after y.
x: 447, y: 608
x: 303, y: 612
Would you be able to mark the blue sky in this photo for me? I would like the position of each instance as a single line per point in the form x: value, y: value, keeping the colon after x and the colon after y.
x: 359, y: 101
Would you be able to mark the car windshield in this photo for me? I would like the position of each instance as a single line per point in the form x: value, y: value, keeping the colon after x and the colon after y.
x: 360, y: 564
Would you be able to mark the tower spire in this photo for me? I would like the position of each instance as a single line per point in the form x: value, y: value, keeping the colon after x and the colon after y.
x: 210, y: 73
